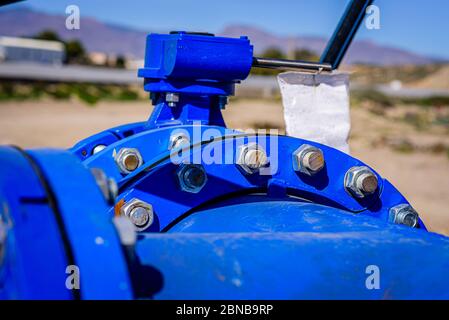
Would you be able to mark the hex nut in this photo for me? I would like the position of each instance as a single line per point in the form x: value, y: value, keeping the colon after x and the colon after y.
x: 128, y: 160
x: 361, y: 181
x: 191, y: 177
x: 172, y: 99
x: 308, y: 159
x: 251, y: 158
x: 139, y: 212
x: 404, y: 214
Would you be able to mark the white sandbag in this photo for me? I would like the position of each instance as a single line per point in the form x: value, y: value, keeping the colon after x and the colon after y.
x: 316, y: 107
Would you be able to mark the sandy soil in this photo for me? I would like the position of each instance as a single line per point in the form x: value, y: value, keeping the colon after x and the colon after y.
x: 437, y: 80
x: 422, y: 177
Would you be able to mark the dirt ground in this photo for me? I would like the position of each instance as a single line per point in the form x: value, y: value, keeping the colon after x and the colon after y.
x: 423, y: 177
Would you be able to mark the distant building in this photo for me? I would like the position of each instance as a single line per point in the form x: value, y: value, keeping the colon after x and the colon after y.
x: 103, y: 59
x: 31, y: 50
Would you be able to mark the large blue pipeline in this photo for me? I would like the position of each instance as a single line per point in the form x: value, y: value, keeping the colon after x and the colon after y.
x: 180, y: 207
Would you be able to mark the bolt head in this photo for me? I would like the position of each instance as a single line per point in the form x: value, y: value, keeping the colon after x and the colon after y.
x: 128, y: 160
x: 361, y: 182
x: 98, y: 148
x: 139, y: 216
x: 404, y: 214
x: 108, y: 186
x: 308, y: 160
x: 178, y: 141
x: 191, y: 177
x: 139, y: 213
x: 172, y: 97
x: 251, y: 158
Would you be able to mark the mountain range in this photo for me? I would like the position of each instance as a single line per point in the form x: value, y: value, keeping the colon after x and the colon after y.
x: 120, y: 40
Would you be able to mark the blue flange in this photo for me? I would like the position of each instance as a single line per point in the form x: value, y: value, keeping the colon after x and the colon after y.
x: 55, y: 213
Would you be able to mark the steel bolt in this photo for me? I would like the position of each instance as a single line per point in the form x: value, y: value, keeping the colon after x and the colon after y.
x: 191, y: 177
x: 251, y: 158
x: 139, y: 216
x: 172, y: 99
x: 98, y: 148
x: 308, y: 160
x: 108, y: 186
x: 128, y: 160
x: 178, y: 141
x: 404, y: 214
x: 139, y: 213
x: 361, y: 181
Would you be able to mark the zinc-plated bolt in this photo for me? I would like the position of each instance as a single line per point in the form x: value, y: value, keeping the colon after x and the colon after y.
x: 98, y: 148
x: 308, y: 160
x: 139, y: 212
x: 251, y: 158
x: 178, y: 141
x: 172, y: 99
x: 191, y: 177
x: 361, y: 181
x: 404, y: 214
x: 128, y: 160
x: 108, y: 186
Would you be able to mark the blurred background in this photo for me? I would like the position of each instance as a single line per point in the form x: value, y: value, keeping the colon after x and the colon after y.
x: 59, y: 84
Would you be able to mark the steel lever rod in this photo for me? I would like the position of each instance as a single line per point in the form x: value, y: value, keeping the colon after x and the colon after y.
x: 345, y: 32
x: 290, y: 64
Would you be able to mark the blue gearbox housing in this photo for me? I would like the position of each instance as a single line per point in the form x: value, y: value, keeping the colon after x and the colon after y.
x: 197, y: 72
x: 181, y: 207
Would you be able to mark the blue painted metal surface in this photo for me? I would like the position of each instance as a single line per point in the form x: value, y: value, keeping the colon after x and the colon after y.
x: 286, y: 249
x: 195, y: 64
x: 91, y: 236
x: 203, y: 68
x: 273, y: 234
x: 50, y: 202
x: 34, y: 257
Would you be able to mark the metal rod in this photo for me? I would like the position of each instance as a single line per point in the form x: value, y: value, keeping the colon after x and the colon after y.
x: 344, y: 33
x: 290, y: 64
x: 5, y: 2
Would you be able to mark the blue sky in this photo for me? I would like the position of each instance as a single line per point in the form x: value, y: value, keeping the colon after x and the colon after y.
x: 418, y: 25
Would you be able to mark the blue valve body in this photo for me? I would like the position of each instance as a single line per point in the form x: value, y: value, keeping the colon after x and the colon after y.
x: 282, y: 235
